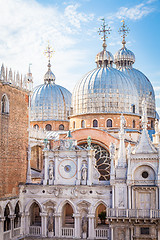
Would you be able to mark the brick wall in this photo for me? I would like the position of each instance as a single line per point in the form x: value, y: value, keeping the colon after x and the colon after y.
x: 13, y: 140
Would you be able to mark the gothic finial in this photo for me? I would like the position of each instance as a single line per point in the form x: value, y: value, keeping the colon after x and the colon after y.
x: 104, y: 30
x: 124, y: 30
x: 48, y: 52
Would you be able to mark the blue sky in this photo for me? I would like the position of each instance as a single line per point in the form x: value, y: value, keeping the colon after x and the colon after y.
x: 71, y: 27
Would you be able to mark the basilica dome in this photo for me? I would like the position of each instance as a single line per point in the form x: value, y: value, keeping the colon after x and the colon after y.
x: 105, y: 90
x: 50, y: 101
x: 124, y: 59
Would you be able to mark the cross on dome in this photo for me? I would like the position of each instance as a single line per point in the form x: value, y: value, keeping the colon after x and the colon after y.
x: 49, y: 53
x: 124, y: 30
x: 104, y: 30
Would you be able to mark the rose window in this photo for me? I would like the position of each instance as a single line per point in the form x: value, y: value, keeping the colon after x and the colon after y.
x: 102, y: 160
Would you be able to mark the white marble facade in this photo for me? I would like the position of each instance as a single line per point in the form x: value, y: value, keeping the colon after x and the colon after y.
x: 70, y: 201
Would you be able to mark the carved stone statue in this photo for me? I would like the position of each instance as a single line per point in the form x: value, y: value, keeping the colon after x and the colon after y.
x: 84, y: 173
x: 84, y: 227
x: 50, y: 223
x: 112, y: 150
x: 51, y: 174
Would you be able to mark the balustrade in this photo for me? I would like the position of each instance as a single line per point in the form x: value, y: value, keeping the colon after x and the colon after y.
x: 67, y: 232
x: 35, y: 231
x: 101, y: 233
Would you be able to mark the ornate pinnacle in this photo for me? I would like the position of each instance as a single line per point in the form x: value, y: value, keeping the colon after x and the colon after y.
x: 124, y: 30
x: 49, y: 53
x: 104, y: 31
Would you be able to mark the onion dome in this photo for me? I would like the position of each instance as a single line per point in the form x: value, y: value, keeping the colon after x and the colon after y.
x: 124, y: 59
x: 104, y: 89
x: 50, y: 101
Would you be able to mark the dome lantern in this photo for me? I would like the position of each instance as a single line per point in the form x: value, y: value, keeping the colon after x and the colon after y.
x: 104, y: 58
x: 124, y: 57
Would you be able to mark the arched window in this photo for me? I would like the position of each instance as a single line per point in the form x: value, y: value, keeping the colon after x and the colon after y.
x: 109, y: 123
x: 61, y: 127
x: 74, y: 124
x: 35, y: 218
x: 17, y: 220
x: 36, y: 126
x: 68, y: 219
x: 4, y: 104
x: 100, y: 215
x: 152, y: 124
x: 134, y: 124
x: 82, y: 124
x: 95, y: 123
x: 133, y: 108
x: 7, y: 222
x: 48, y: 127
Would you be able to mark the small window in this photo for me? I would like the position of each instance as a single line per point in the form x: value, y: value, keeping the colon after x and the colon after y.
x: 95, y: 123
x: 133, y: 108
x: 74, y: 124
x: 36, y: 126
x: 145, y: 174
x: 109, y: 123
x: 61, y: 127
x: 48, y: 127
x: 82, y: 124
x: 145, y: 230
x: 134, y: 124
x: 7, y: 222
x: 4, y: 104
x: 152, y: 124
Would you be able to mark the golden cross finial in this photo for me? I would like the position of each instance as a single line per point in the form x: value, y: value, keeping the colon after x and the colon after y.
x: 49, y: 53
x: 105, y: 31
x: 124, y: 30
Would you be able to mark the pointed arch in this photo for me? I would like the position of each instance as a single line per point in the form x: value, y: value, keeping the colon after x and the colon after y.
x: 28, y: 205
x: 93, y: 209
x: 4, y: 104
x: 61, y: 205
x: 10, y: 207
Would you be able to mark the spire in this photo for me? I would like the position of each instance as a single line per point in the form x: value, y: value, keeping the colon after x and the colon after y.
x: 29, y: 78
x: 49, y: 76
x: 122, y: 152
x: 104, y: 30
x: 49, y: 53
x: 124, y: 30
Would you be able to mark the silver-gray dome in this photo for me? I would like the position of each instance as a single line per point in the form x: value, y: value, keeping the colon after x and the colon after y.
x: 124, y: 57
x: 104, y: 90
x: 144, y: 88
x: 50, y: 102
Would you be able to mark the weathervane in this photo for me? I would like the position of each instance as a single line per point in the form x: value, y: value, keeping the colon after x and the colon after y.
x: 49, y: 53
x: 124, y: 30
x: 105, y: 31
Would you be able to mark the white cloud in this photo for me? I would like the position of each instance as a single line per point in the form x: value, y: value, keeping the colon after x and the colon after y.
x: 25, y: 28
x: 134, y: 13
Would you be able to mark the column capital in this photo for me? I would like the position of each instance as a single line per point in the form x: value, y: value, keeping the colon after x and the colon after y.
x: 43, y: 214
x: 57, y: 215
x: 12, y: 217
x: 2, y: 219
x: 91, y: 216
x: 76, y: 215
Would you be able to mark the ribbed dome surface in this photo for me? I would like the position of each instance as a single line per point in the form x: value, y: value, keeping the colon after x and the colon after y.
x: 104, y: 90
x: 124, y: 57
x: 144, y: 88
x: 50, y: 102
x: 104, y: 58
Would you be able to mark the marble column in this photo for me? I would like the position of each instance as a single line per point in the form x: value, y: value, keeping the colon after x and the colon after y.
x: 77, y: 226
x: 1, y: 227
x: 57, y: 225
x: 91, y: 229
x: 43, y: 224
x: 27, y: 224
x: 12, y: 217
x: 112, y: 237
x: 22, y: 229
x: 129, y: 197
x: 113, y: 197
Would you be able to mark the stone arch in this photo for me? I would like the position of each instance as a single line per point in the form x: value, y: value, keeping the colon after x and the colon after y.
x: 20, y: 205
x: 144, y: 164
x: 144, y: 172
x: 67, y: 212
x: 10, y: 207
x: 28, y: 205
x: 100, y: 213
x: 93, y: 209
x: 35, y: 214
x: 17, y: 213
x: 7, y: 221
x: 61, y: 205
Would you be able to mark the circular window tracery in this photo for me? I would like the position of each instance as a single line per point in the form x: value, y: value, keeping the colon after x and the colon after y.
x: 102, y: 160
